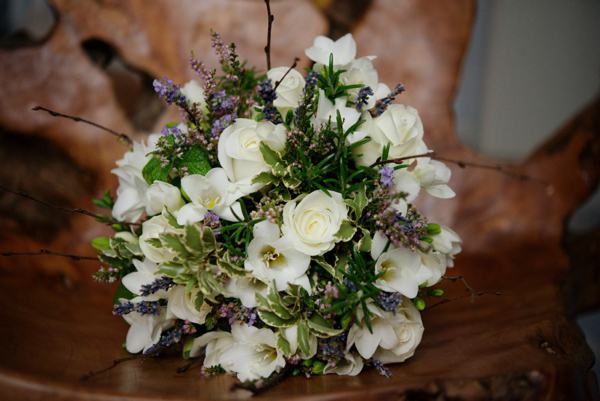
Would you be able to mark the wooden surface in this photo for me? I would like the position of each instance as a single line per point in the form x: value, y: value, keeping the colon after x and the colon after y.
x: 56, y: 323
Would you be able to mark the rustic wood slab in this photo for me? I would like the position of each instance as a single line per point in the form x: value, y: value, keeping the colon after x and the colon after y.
x: 57, y: 323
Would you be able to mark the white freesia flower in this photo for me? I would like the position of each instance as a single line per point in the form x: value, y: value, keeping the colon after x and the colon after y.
x: 239, y: 154
x: 399, y: 125
x: 271, y: 257
x: 289, y: 89
x: 351, y: 365
x: 343, y: 50
x: 144, y: 275
x: 145, y: 330
x: 212, y: 191
x: 253, y: 353
x: 215, y: 342
x: 394, y: 337
x: 245, y: 289
x: 361, y: 71
x: 131, y: 194
x: 182, y: 305
x: 161, y: 194
x: 291, y: 335
x: 404, y: 272
x: 448, y: 243
x: 151, y: 229
x: 194, y: 93
x: 311, y: 221
x: 408, y: 327
x: 436, y: 263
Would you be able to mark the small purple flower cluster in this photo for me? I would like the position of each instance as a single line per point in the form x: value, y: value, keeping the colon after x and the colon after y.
x: 211, y: 220
x: 170, y: 91
x: 235, y: 311
x: 162, y: 283
x: 383, y: 104
x: 107, y: 275
x: 363, y: 97
x: 390, y: 301
x: 332, y: 349
x: 143, y: 308
x: 269, y: 209
x: 382, y: 369
x: 387, y: 176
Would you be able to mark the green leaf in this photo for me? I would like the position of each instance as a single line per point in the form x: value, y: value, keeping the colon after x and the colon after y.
x: 319, y: 326
x: 173, y: 243
x: 190, y: 285
x: 342, y: 258
x: 230, y: 269
x: 196, y: 160
x: 187, y: 348
x: 303, y: 339
x: 346, y: 231
x: 290, y: 182
x: 208, y: 239
x: 101, y: 243
x: 154, y: 242
x: 192, y: 239
x: 134, y: 248
x: 171, y: 220
x: 266, y: 178
x: 283, y: 345
x: 210, y: 322
x: 276, y: 304
x: 270, y: 156
x: 199, y: 301
x: 170, y: 269
x: 364, y: 245
x: 262, y: 302
x: 153, y: 171
x: 123, y: 292
x: 320, y: 260
x: 273, y: 320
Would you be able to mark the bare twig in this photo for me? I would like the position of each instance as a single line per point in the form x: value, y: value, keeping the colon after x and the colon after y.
x: 473, y: 293
x: 268, y: 46
x: 47, y: 252
x: 463, y: 164
x: 277, y: 83
x: 192, y: 362
x: 103, y: 219
x: 124, y: 138
x: 115, y: 363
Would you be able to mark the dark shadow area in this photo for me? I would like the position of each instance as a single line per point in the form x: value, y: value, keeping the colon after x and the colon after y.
x: 132, y: 86
x: 26, y: 23
x: 38, y: 167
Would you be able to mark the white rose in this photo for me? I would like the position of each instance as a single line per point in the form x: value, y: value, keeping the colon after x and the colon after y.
x: 253, y: 354
x: 194, y: 93
x: 131, y: 194
x: 272, y: 135
x: 212, y: 191
x: 182, y: 305
x: 394, y: 337
x: 271, y: 257
x: 239, y: 154
x: 311, y: 224
x: 151, y: 229
x: 343, y: 50
x: 408, y: 328
x: 161, y: 194
x: 399, y: 125
x: 289, y: 90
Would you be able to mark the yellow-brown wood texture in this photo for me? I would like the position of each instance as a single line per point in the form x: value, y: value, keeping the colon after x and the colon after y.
x: 56, y: 323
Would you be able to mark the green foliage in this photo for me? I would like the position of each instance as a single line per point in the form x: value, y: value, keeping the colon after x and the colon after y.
x: 154, y: 171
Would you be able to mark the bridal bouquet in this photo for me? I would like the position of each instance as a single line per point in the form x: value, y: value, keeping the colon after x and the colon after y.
x: 272, y: 230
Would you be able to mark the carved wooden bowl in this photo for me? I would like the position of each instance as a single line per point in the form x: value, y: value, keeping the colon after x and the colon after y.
x: 98, y: 63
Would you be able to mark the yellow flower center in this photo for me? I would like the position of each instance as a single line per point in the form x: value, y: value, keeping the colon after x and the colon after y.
x: 271, y: 256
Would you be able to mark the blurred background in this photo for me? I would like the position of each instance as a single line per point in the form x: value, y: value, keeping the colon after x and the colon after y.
x: 530, y: 66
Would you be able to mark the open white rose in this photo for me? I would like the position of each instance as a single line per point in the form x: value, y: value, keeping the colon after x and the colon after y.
x: 194, y: 93
x: 253, y: 353
x: 151, y: 229
x: 161, y: 194
x: 131, y: 194
x: 394, y: 337
x: 145, y: 330
x: 399, y: 125
x: 311, y: 221
x: 271, y: 257
x: 343, y: 50
x: 289, y: 89
x: 182, y: 305
x: 212, y: 191
x: 404, y: 272
x: 408, y: 327
x: 239, y: 154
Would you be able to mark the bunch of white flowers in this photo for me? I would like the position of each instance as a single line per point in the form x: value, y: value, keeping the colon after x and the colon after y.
x: 276, y: 223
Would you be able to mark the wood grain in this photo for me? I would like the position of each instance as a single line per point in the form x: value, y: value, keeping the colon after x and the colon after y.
x: 56, y: 322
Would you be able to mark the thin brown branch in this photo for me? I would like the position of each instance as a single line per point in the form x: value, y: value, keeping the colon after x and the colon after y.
x: 117, y: 362
x: 294, y: 64
x: 47, y: 252
x: 268, y: 46
x: 464, y: 164
x: 192, y: 362
x: 122, y: 137
x: 473, y: 293
x: 102, y: 219
x: 263, y: 385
